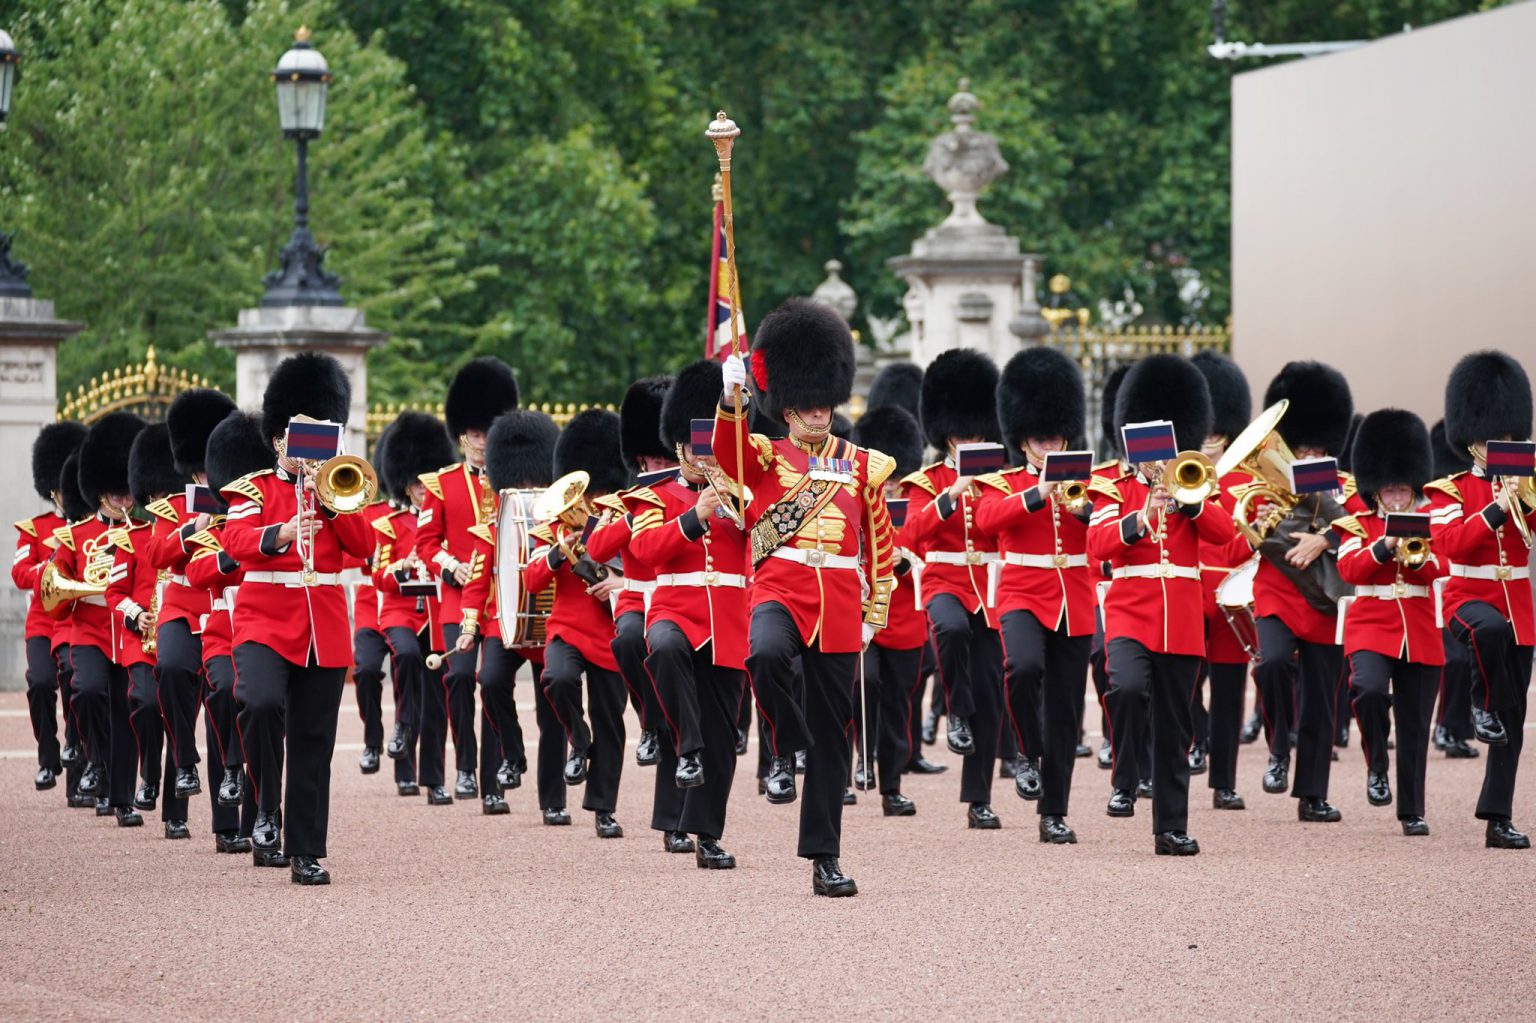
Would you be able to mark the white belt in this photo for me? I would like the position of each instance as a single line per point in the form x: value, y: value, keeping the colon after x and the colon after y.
x: 293, y: 578
x: 220, y: 604
x: 727, y: 579
x: 177, y: 580
x: 352, y: 577
x: 1046, y: 560
x: 1392, y: 591
x: 960, y: 557
x: 1498, y: 573
x: 639, y: 585
x: 94, y: 599
x: 816, y: 559
x: 1155, y: 572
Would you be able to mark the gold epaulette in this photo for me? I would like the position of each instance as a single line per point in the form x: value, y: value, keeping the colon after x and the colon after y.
x: 65, y: 535
x: 1350, y: 524
x: 996, y: 480
x: 1347, y: 484
x: 482, y: 532
x: 203, y: 552
x: 246, y: 487
x: 920, y: 479
x: 881, y: 465
x: 1446, y: 485
x: 645, y: 495
x: 163, y: 509
x: 27, y: 527
x: 121, y: 538
x: 206, y: 540
x: 613, y: 502
x: 543, y: 533
x: 764, y: 448
x: 433, y: 481
x: 382, y: 525
x: 1107, y: 487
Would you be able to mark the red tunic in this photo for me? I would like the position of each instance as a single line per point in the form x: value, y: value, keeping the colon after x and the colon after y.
x: 81, y: 544
x: 214, y: 570
x: 131, y: 593
x: 396, y: 537
x: 1025, y: 526
x: 700, y: 568
x: 170, y: 550
x: 365, y: 599
x: 274, y: 607
x: 1155, y: 596
x: 578, y: 618
x: 612, y: 540
x: 34, y: 546
x: 1217, y: 560
x: 906, y: 625
x: 956, y: 555
x: 1400, y: 623
x: 1488, y: 560
x: 457, y: 498
x: 1274, y: 595
x: 825, y: 600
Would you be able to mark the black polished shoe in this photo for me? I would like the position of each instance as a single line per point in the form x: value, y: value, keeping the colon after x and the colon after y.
x: 177, y: 829
x: 1027, y: 781
x: 1251, y: 729
x: 894, y: 804
x: 306, y: 870
x: 45, y: 779
x: 576, y: 767
x: 1227, y: 799
x: 144, y: 798
x: 690, y: 771
x: 1197, y: 758
x: 1106, y: 755
x: 509, y: 776
x: 676, y: 842
x: 1083, y: 750
x: 1490, y: 730
x: 646, y: 748
x: 466, y: 787
x: 1175, y: 843
x: 1461, y: 749
x: 407, y: 788
x: 1054, y: 831
x: 273, y: 857
x: 266, y: 838
x: 1414, y: 826
x: 492, y: 805
x: 556, y: 817
x: 741, y: 744
x: 1378, y: 791
x: 606, y: 826
x: 931, y: 726
x: 709, y: 856
x: 779, y: 786
x: 188, y: 784
x: 1144, y: 789
x: 80, y: 801
x: 70, y: 756
x: 368, y: 763
x: 127, y: 817
x: 922, y: 765
x: 103, y: 808
x: 232, y: 787
x: 400, y: 742
x: 230, y: 842
x: 90, y: 779
x: 981, y: 817
x: 1442, y: 737
x: 827, y: 878
x: 959, y: 737
x: 1502, y: 835
x: 1122, y: 803
x: 1008, y: 767
x: 1317, y: 811
x: 438, y: 795
x: 863, y: 779
x: 850, y: 798
x: 1277, y: 777
x: 1341, y: 736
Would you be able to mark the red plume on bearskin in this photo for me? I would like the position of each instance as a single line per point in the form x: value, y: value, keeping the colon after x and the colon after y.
x: 803, y: 357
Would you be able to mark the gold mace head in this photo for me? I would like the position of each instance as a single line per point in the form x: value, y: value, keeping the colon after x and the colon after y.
x: 722, y: 131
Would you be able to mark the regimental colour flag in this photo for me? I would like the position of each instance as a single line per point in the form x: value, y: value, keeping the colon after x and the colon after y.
x: 718, y: 337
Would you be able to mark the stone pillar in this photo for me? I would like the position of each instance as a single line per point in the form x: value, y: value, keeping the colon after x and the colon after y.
x: 266, y: 335
x: 963, y: 276
x: 29, y: 341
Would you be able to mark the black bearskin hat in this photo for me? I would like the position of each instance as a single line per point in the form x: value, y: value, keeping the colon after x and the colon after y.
x: 1107, y: 409
x: 1391, y: 446
x: 520, y: 450
x: 418, y: 443
x: 640, y: 419
x: 481, y: 391
x: 152, y: 470
x: 308, y: 384
x: 1320, y: 409
x: 1347, y: 453
x: 959, y: 397
x: 1488, y: 397
x: 1167, y: 387
x: 899, y: 384
x: 104, y: 456
x: 590, y: 442
x: 71, y: 500
x: 55, y: 442
x: 802, y: 357
x: 379, y: 459
x: 694, y: 395
x: 1040, y: 394
x: 892, y: 429
x: 1231, y: 398
x: 191, y: 418
x: 237, y: 447
x: 842, y: 426
x: 1448, y: 461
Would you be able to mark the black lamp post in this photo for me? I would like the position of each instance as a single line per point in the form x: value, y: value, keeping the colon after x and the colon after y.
x: 13, y: 275
x: 302, y: 79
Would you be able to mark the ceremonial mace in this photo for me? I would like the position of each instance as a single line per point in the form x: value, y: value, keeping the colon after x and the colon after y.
x: 722, y: 131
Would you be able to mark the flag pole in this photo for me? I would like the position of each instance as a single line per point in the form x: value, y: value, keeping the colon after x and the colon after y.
x: 722, y: 131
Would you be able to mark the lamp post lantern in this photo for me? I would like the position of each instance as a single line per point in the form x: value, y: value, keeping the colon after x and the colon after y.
x: 302, y: 79
x: 13, y: 275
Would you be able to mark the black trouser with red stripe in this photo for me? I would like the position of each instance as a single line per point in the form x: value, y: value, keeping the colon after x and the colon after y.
x: 1130, y: 755
x: 1229, y: 684
x: 66, y: 670
x: 179, y: 671
x: 288, y: 714
x: 1411, y: 704
x: 144, y: 717
x: 501, y: 736
x: 101, y: 703
x: 42, y: 699
x: 1047, y: 679
x: 221, y: 732
x: 1151, y: 691
x: 369, y: 648
x: 603, y: 740
x: 1455, y: 714
x: 819, y: 725
x: 552, y: 746
x: 892, y: 681
x: 1501, y: 683
x: 1316, y: 669
x: 630, y: 651
x: 971, y: 671
x: 421, y: 704
x: 459, y: 687
x: 696, y: 704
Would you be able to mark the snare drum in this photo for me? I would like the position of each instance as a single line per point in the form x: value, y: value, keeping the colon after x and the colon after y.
x: 1234, y: 595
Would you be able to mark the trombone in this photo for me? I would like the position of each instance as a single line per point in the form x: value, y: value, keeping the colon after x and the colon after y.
x: 1522, y: 495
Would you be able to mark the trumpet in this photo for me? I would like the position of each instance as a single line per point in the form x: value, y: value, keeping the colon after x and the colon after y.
x: 1412, y: 551
x: 1191, y: 478
x: 1072, y: 496
x: 345, y: 484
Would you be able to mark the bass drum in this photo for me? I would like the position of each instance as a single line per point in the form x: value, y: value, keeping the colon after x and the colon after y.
x: 523, y: 616
x: 1234, y: 595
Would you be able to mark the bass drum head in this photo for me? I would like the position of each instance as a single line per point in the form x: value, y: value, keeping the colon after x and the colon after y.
x: 1236, y: 590
x: 523, y: 615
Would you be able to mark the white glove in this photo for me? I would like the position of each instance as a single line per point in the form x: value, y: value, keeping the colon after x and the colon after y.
x: 734, y: 373
x: 869, y: 635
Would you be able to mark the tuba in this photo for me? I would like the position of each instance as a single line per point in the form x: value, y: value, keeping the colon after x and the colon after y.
x: 564, y: 504
x: 345, y: 484
x: 1261, y: 451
